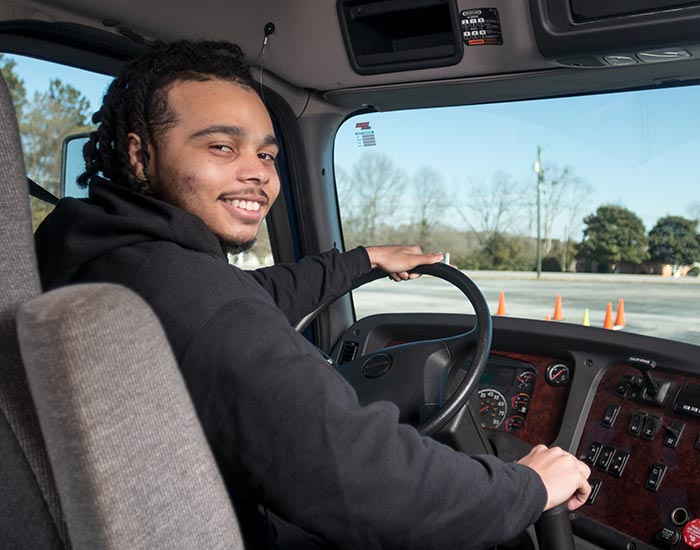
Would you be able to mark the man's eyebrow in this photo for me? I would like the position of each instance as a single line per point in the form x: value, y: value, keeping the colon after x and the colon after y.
x: 234, y: 131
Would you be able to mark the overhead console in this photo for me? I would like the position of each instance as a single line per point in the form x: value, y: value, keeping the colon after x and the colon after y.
x: 383, y: 36
x: 590, y: 33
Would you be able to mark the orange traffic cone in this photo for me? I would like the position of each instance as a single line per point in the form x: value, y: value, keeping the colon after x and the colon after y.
x: 620, y: 319
x: 501, y: 304
x: 558, y: 313
x: 547, y: 317
x: 608, y: 323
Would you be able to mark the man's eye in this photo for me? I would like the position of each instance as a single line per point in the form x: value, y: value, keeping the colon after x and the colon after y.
x: 267, y: 156
x: 222, y: 148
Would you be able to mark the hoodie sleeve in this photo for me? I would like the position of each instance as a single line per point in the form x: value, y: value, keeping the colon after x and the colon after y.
x: 298, y: 288
x: 291, y: 427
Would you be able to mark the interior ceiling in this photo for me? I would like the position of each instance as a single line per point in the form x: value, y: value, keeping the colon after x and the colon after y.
x: 307, y: 50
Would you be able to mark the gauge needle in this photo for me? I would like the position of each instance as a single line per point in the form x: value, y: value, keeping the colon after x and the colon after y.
x: 484, y: 408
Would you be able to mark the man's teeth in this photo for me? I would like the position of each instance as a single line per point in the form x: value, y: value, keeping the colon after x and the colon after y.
x: 246, y: 205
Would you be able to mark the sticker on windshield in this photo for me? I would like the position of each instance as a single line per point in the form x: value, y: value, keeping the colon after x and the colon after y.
x: 481, y: 27
x: 364, y: 134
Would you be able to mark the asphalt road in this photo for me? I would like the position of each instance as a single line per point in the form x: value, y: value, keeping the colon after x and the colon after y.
x: 656, y: 306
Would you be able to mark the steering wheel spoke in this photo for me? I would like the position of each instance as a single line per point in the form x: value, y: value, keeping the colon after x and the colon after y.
x: 413, y: 376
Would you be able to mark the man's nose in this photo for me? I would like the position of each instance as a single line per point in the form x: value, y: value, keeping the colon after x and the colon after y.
x: 251, y: 169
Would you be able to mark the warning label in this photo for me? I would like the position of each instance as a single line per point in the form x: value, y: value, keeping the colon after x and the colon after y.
x: 691, y: 533
x: 481, y: 27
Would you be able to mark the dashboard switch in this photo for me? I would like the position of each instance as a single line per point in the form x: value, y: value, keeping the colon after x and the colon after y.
x: 635, y: 424
x: 656, y: 475
x: 595, y: 489
x: 592, y: 453
x: 636, y: 388
x: 610, y: 415
x: 619, y: 461
x: 668, y: 536
x: 673, y: 433
x: 622, y: 387
x: 650, y: 427
x: 605, y: 458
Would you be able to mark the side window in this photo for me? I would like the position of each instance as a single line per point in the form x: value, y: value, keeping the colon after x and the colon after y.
x: 52, y: 102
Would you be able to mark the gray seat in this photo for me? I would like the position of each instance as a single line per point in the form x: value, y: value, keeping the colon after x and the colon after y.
x: 131, y: 466
x: 30, y: 512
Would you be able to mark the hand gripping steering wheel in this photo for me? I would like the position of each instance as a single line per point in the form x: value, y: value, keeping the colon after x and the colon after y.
x: 415, y: 375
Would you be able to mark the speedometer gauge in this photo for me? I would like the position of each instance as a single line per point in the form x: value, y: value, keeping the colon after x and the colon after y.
x: 492, y: 408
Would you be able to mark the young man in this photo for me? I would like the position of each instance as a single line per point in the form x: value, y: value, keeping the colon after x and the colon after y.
x: 186, y: 153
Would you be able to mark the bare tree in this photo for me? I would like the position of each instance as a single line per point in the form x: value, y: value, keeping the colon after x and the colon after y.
x: 693, y: 210
x: 563, y: 194
x: 493, y: 208
x: 575, y: 203
x: 369, y: 195
x: 431, y: 202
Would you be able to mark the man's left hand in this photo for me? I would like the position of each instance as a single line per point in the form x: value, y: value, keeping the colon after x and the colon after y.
x: 398, y: 260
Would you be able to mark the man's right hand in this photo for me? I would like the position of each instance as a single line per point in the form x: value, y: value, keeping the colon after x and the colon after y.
x: 564, y: 476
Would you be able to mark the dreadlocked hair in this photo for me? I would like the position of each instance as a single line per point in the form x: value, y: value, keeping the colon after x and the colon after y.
x: 136, y: 101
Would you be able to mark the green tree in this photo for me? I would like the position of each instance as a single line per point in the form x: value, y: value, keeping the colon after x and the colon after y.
x: 614, y: 235
x: 674, y: 240
x: 505, y: 253
x: 50, y: 118
x: 18, y: 92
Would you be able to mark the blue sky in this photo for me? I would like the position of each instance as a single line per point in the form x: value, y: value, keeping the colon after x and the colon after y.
x: 37, y: 74
x: 637, y: 149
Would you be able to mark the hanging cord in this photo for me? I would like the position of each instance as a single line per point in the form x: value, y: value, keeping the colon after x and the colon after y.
x: 268, y: 29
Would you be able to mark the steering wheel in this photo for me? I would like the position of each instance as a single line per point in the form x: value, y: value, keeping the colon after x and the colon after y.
x: 414, y: 375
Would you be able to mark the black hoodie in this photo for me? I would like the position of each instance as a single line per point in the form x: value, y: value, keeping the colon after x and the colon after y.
x: 284, y: 427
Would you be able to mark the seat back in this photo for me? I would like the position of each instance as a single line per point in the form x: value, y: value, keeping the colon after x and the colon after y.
x: 27, y: 489
x: 131, y: 462
x: 128, y: 455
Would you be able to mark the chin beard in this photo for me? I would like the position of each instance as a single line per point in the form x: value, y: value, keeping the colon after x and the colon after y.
x: 233, y: 248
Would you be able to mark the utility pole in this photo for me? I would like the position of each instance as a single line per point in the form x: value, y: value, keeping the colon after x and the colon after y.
x: 540, y: 178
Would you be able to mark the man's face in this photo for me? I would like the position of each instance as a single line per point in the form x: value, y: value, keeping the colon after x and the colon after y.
x: 218, y: 161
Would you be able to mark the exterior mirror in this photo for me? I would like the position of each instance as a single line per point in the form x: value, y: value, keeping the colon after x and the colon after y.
x: 72, y: 165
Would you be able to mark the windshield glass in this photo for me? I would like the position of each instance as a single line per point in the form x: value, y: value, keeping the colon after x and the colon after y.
x: 579, y: 209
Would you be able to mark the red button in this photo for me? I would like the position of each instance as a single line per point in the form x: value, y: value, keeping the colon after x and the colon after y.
x: 691, y: 533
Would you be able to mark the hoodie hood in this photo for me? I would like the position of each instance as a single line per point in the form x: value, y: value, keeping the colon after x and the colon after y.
x: 81, y: 230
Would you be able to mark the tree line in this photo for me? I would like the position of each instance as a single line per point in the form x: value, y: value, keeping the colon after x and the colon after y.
x: 380, y: 202
x: 45, y: 120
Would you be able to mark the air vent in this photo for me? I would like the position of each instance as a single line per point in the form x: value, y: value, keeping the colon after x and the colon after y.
x: 347, y: 352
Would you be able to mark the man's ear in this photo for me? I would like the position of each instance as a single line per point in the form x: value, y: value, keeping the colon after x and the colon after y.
x: 136, y: 155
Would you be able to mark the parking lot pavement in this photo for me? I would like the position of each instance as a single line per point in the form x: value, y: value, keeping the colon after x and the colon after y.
x: 657, y: 306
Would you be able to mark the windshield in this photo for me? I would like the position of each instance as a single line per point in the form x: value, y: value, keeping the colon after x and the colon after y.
x: 579, y: 209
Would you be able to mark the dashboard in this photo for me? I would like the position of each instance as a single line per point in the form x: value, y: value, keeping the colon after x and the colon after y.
x: 628, y: 405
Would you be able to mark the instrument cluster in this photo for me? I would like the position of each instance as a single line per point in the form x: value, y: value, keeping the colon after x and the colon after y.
x: 505, y: 394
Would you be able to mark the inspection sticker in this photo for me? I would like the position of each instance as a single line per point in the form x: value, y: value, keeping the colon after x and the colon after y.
x: 691, y: 533
x: 481, y: 27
